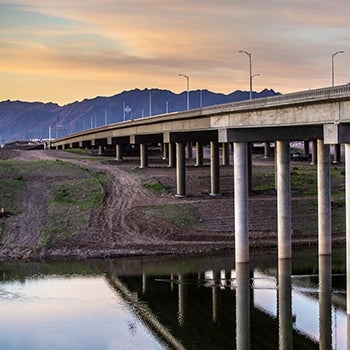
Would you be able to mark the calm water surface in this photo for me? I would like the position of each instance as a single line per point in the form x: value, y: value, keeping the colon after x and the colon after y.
x: 175, y: 303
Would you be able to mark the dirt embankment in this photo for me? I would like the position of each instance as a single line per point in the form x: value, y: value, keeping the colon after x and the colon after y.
x: 120, y: 226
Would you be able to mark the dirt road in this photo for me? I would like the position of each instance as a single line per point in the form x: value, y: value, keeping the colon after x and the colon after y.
x: 120, y: 227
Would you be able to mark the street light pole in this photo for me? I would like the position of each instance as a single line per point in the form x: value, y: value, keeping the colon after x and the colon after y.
x: 333, y: 55
x: 188, y: 89
x: 250, y: 72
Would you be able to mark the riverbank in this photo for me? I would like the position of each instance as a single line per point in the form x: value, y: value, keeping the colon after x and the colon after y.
x: 138, y: 213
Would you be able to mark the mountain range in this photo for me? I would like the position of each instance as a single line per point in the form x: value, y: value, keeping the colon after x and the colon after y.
x: 32, y: 120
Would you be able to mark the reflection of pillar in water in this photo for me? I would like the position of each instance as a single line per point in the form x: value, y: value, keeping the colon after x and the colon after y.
x: 144, y: 283
x: 182, y: 300
x: 242, y: 307
x: 216, y: 296
x: 172, y: 282
x: 199, y: 280
x: 325, y: 300
x: 285, y: 304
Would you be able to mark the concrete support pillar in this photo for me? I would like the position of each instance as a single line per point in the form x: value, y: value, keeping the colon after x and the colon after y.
x: 180, y: 170
x: 225, y: 154
x: 285, y: 319
x: 242, y: 307
x: 199, y: 153
x: 100, y: 149
x: 267, y: 149
x: 306, y: 147
x: 284, y: 226
x: 165, y: 151
x: 118, y: 152
x: 241, y: 201
x: 172, y: 155
x: 250, y: 166
x: 347, y: 216
x: 324, y: 199
x: 189, y: 152
x: 314, y: 152
x: 214, y: 169
x: 325, y: 301
x: 336, y: 155
x: 143, y: 155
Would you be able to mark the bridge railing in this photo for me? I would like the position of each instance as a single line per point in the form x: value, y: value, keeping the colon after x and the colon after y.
x: 322, y: 94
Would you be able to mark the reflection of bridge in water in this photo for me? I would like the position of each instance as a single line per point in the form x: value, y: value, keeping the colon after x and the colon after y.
x: 241, y: 308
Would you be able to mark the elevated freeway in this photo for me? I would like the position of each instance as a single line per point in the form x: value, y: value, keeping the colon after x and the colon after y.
x: 321, y: 116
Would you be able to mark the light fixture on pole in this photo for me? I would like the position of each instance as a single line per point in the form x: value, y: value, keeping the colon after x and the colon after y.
x: 250, y: 72
x: 333, y: 55
x: 188, y: 89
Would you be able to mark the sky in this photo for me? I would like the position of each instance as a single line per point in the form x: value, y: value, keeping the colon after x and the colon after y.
x: 67, y: 50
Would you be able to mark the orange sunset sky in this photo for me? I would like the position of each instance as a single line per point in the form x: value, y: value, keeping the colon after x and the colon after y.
x: 63, y: 51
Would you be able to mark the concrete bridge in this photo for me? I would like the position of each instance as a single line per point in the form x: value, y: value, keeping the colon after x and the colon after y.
x: 321, y: 116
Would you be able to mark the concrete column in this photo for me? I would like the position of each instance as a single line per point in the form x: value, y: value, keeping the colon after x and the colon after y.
x: 242, y: 307
x: 307, y: 147
x: 241, y: 201
x: 118, y: 152
x: 325, y: 301
x: 314, y: 152
x: 267, y: 149
x: 214, y: 169
x: 324, y: 199
x: 172, y: 155
x: 143, y: 155
x: 180, y: 170
x: 285, y: 319
x: 347, y: 216
x: 165, y: 151
x: 199, y: 153
x: 189, y: 153
x: 250, y: 166
x: 336, y: 155
x: 225, y: 154
x: 284, y: 226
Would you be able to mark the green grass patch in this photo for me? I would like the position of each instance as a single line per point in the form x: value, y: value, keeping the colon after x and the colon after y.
x: 78, y: 151
x: 73, y: 194
x: 71, y: 205
x: 155, y: 186
x: 178, y: 214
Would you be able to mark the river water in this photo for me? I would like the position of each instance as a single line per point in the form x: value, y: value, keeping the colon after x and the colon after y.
x: 176, y: 303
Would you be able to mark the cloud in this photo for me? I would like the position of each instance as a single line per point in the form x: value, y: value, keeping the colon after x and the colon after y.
x: 147, y: 42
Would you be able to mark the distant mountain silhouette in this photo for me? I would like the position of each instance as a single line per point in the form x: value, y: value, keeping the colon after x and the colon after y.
x: 31, y: 120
